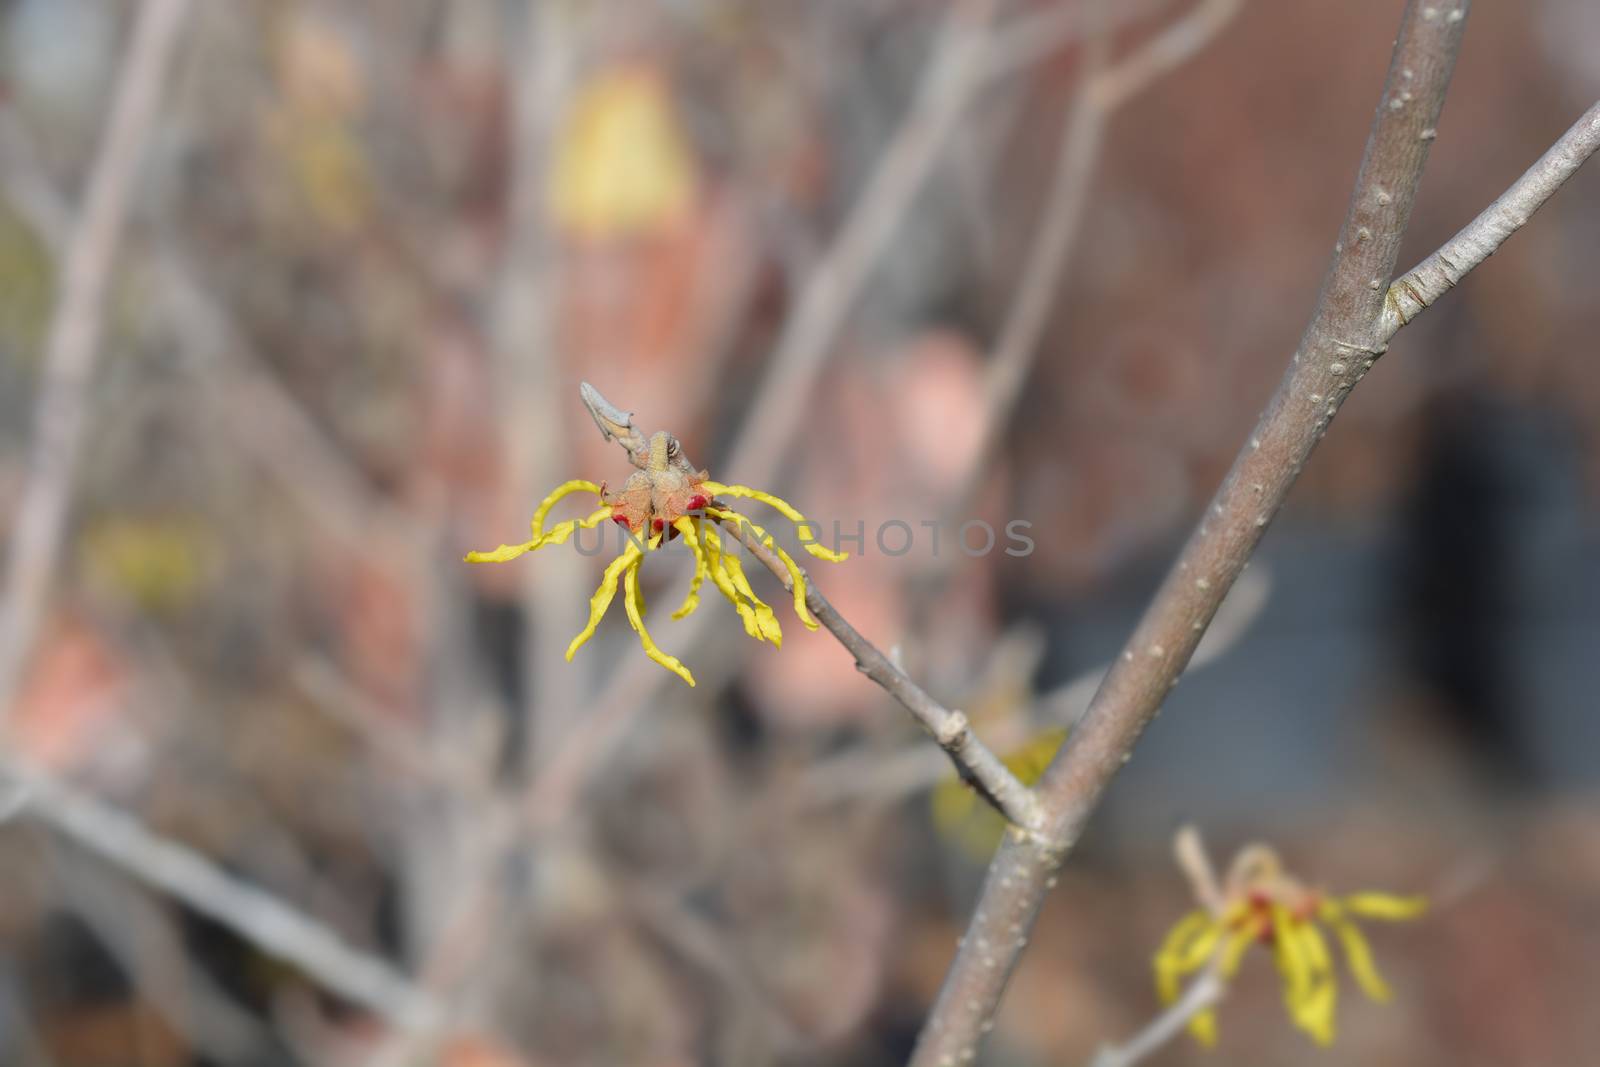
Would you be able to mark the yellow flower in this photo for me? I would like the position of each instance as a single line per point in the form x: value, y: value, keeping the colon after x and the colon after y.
x: 622, y: 166
x: 1261, y: 904
x: 662, y: 500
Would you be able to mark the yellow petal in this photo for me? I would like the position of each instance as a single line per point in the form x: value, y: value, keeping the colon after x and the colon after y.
x: 564, y: 530
x: 686, y: 526
x: 1315, y: 1012
x: 1200, y: 950
x: 1385, y: 906
x: 1176, y: 944
x: 1028, y: 763
x: 959, y: 816
x: 1233, y: 952
x: 503, y: 553
x: 1316, y: 949
x: 1204, y: 1027
x: 633, y: 601
x: 951, y: 803
x: 720, y: 578
x: 785, y: 508
x: 1291, y: 959
x: 1185, y: 948
x: 555, y: 537
x: 1311, y: 988
x: 602, y: 596
x: 1358, y: 955
x: 1318, y: 1010
x: 766, y: 621
x: 562, y: 490
x: 797, y: 577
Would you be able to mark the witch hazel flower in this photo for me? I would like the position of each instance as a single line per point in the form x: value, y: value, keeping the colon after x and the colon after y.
x: 666, y: 497
x: 1260, y: 903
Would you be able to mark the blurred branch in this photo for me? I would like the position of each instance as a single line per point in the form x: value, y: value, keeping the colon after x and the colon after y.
x: 1204, y: 992
x: 262, y: 919
x: 940, y: 100
x: 670, y: 920
x: 527, y: 362
x: 73, y: 339
x: 1104, y: 91
x: 143, y: 937
x: 1101, y: 93
x: 264, y: 418
x: 268, y: 423
x: 1164, y: 53
x: 1340, y: 344
x: 1430, y: 279
x: 1035, y: 37
x: 392, y: 740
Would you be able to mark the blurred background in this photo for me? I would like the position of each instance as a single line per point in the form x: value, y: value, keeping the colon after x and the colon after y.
x: 890, y: 259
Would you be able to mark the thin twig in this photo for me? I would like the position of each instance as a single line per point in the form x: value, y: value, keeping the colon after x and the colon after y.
x: 1477, y: 241
x: 264, y: 418
x: 275, y: 927
x: 1031, y: 38
x: 73, y: 340
x: 142, y: 935
x: 1339, y: 346
x: 886, y: 776
x: 1104, y: 90
x: 528, y: 369
x: 974, y: 761
x: 699, y: 942
x: 941, y: 100
x: 1165, y: 52
x: 1204, y: 992
x: 1103, y: 93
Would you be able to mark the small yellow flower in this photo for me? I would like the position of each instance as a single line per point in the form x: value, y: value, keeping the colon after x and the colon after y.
x: 666, y: 498
x: 1260, y: 903
x: 621, y: 165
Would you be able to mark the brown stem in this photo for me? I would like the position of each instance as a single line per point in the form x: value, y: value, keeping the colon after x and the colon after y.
x: 1341, y: 343
x: 976, y: 763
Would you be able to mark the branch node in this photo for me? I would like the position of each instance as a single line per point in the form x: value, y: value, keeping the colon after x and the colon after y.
x: 952, y: 729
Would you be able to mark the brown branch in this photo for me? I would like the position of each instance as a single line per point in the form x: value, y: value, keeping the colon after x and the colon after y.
x: 1477, y: 241
x: 1204, y: 992
x: 73, y: 339
x: 887, y: 776
x: 974, y: 761
x: 1341, y: 343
